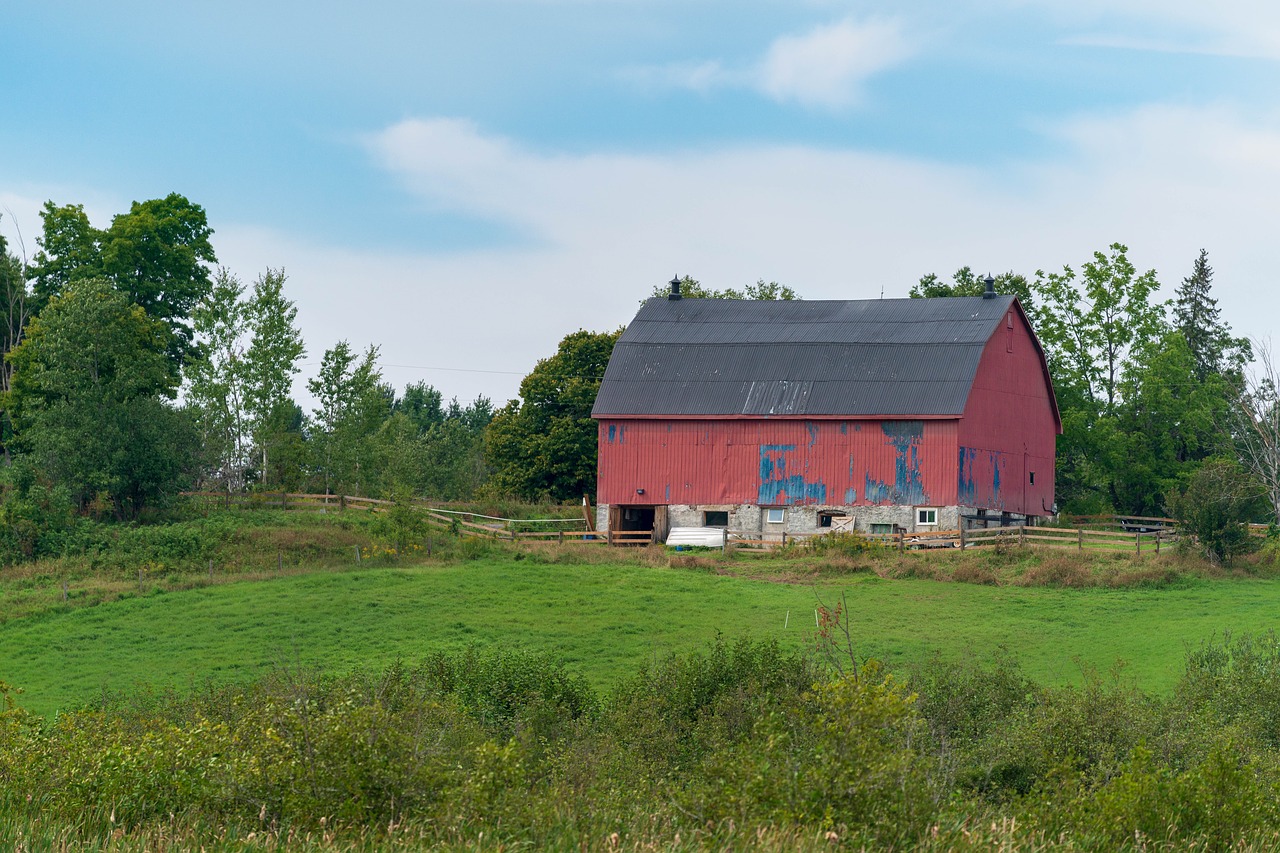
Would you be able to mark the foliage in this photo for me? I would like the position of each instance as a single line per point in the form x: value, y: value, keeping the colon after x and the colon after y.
x: 544, y: 445
x: 1216, y: 507
x: 511, y: 744
x: 350, y: 405
x: 1197, y: 316
x: 1256, y: 426
x: 241, y: 379
x: 965, y: 282
x: 88, y: 393
x: 35, y: 514
x: 16, y: 304
x: 270, y: 363
x: 691, y: 288
x: 156, y: 254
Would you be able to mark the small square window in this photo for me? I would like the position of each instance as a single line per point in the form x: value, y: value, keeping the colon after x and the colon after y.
x: 774, y: 516
x: 827, y: 519
x: 715, y: 518
x: 926, y: 516
x: 1033, y: 478
x: 882, y: 528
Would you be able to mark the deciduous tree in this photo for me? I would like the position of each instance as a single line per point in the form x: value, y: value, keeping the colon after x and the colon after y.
x: 351, y: 406
x: 89, y: 400
x: 544, y: 445
x: 158, y: 254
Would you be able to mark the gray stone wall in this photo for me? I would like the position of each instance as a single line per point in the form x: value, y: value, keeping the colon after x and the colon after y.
x: 751, y: 518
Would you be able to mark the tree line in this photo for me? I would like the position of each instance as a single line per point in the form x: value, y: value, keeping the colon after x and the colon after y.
x: 135, y: 367
x: 1156, y: 397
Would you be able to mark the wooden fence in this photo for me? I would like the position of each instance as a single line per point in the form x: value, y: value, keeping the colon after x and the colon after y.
x: 1127, y: 532
x: 1019, y: 536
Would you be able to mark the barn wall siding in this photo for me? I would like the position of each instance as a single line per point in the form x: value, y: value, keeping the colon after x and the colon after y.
x: 778, y: 462
x: 1008, y: 430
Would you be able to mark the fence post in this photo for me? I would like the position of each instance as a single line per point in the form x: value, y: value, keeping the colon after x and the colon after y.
x: 1157, y: 541
x: 724, y: 540
x: 1022, y: 536
x: 1137, y: 543
x: 901, y: 537
x: 561, y: 536
x: 609, y: 536
x: 1080, y: 539
x: 342, y: 502
x: 961, y: 534
x: 284, y: 500
x: 357, y: 547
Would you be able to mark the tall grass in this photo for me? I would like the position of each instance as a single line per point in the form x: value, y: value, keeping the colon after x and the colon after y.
x: 736, y: 746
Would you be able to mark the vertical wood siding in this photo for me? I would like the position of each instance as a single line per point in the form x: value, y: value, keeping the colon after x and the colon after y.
x: 778, y: 462
x: 1008, y: 430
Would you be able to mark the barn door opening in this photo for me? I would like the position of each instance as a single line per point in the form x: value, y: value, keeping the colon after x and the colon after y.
x: 635, y: 518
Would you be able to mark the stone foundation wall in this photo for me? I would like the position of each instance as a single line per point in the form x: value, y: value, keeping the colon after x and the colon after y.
x: 806, y: 519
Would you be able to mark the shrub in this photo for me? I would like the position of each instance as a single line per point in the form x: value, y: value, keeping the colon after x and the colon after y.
x: 670, y: 715
x: 1215, y: 507
x: 845, y: 759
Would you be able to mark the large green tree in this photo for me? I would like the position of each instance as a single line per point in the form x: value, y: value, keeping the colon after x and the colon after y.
x: 90, y: 395
x: 543, y: 446
x: 158, y: 254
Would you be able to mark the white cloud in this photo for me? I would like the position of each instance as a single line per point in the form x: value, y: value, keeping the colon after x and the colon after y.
x: 824, y: 68
x: 827, y: 66
x: 832, y: 223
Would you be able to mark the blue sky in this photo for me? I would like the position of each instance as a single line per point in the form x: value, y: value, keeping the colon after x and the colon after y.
x: 463, y: 183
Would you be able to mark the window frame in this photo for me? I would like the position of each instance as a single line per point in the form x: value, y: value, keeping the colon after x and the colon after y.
x: 921, y: 510
x: 706, y: 518
x: 769, y: 512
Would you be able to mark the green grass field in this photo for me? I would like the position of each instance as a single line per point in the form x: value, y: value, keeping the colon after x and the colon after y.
x: 603, y: 620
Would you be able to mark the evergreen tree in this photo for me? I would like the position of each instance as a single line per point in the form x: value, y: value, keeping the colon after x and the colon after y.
x: 1196, y: 316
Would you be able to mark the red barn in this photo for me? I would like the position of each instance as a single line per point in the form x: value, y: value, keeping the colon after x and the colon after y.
x: 880, y: 415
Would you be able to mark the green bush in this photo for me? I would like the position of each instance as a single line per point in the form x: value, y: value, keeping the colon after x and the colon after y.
x: 847, y: 758
x: 1215, y: 509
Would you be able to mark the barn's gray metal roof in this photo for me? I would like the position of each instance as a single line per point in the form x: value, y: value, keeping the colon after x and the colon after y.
x: 718, y: 357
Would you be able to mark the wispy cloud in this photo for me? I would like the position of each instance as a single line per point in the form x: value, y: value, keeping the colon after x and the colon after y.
x: 835, y: 223
x: 1246, y: 28
x: 826, y: 67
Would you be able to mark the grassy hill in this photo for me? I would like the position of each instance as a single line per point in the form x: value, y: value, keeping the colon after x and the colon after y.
x: 603, y: 619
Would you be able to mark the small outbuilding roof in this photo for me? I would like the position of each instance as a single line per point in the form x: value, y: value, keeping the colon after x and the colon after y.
x: 748, y: 358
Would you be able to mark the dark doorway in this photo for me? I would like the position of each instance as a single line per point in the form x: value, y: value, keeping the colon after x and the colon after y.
x: 634, y: 518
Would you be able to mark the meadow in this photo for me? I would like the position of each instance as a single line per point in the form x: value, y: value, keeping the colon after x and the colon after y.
x: 247, y: 682
x: 603, y: 615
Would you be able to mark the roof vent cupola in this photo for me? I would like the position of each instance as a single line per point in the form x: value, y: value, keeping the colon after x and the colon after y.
x: 990, y: 292
x: 675, y: 289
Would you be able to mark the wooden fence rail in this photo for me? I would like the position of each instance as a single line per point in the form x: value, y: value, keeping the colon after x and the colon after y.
x: 1139, y: 533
